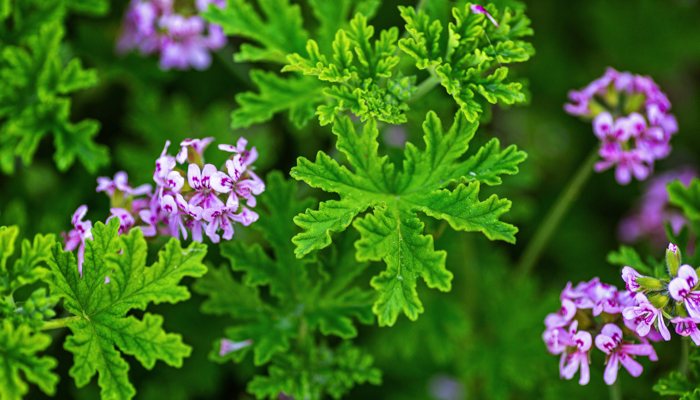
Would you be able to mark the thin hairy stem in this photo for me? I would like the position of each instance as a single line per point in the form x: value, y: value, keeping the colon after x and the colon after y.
x: 549, y: 225
x: 58, y: 323
x: 615, y: 391
x: 425, y: 87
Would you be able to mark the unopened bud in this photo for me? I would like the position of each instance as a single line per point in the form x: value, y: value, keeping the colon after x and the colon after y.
x: 673, y: 259
x: 680, y: 309
x: 649, y: 283
x: 659, y: 300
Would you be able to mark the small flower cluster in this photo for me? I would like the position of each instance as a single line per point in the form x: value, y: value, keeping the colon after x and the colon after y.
x: 682, y: 286
x: 653, y: 211
x: 630, y: 139
x: 178, y: 204
x: 595, y: 308
x: 153, y: 27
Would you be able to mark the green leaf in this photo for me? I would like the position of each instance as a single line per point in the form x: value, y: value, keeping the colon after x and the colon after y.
x: 309, y: 295
x: 299, y: 96
x: 277, y: 32
x: 320, y: 370
x: 101, y: 325
x: 393, y: 233
x: 368, y: 87
x: 471, y: 62
x: 688, y: 199
x: 628, y: 257
x: 676, y: 384
x: 34, y: 86
x: 18, y: 348
x: 25, y: 270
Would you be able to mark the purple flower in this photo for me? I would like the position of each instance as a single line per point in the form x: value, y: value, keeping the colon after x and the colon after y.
x: 632, y: 142
x: 646, y: 316
x: 556, y: 340
x: 571, y: 360
x: 247, y: 157
x: 629, y: 275
x: 224, y: 217
x: 609, y: 341
x: 683, y: 289
x: 687, y: 326
x: 239, y: 183
x: 151, y: 216
x: 153, y: 26
x: 228, y: 346
x: 164, y: 165
x: 120, y: 182
x: 603, y: 297
x: 197, y: 145
x: 178, y: 210
x: 200, y: 181
x: 562, y: 317
x: 126, y: 220
x: 477, y: 9
x: 77, y: 237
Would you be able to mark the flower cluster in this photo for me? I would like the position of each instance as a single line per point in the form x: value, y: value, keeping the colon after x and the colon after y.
x: 182, y: 202
x: 595, y: 308
x: 153, y: 27
x: 676, y: 296
x: 631, y: 118
x: 654, y: 210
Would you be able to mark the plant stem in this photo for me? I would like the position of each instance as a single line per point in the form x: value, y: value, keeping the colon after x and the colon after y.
x: 58, y: 323
x: 544, y: 232
x: 425, y: 87
x: 10, y: 300
x: 615, y: 392
x: 684, y: 365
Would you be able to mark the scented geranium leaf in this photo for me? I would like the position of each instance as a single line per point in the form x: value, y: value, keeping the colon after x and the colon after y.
x: 18, y: 348
x: 394, y: 230
x: 37, y: 308
x: 688, y: 199
x: 33, y: 91
x: 277, y: 32
x: 675, y: 385
x: 359, y: 74
x: 100, y: 325
x: 470, y: 63
x: 334, y: 15
x: 25, y: 270
x: 299, y: 96
x: 306, y: 296
x: 628, y: 257
x: 463, y: 210
x: 315, y: 372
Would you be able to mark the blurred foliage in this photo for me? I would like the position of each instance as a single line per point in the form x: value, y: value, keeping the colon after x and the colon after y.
x: 481, y: 340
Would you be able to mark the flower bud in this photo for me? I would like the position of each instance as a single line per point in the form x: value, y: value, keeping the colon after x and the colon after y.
x: 680, y: 309
x: 673, y: 259
x: 650, y: 283
x: 658, y: 300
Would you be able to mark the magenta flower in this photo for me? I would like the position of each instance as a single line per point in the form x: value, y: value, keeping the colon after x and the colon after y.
x: 683, y: 289
x: 200, y: 181
x: 76, y: 237
x: 178, y: 210
x: 629, y: 275
x: 120, y: 182
x: 153, y: 27
x: 556, y: 340
x: 653, y: 210
x: 631, y: 142
x: 164, y: 166
x: 687, y: 326
x: 647, y: 316
x: 610, y: 342
x: 603, y: 297
x: 571, y: 360
x: 477, y: 9
x: 239, y: 183
x: 151, y: 216
x: 562, y: 317
x: 197, y: 146
x: 224, y: 217
x: 247, y: 157
x: 228, y: 346
x: 126, y: 220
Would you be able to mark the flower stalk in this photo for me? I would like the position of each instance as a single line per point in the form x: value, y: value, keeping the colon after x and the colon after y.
x: 549, y: 225
x: 58, y: 323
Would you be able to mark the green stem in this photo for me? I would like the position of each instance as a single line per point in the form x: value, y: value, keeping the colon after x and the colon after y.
x: 58, y: 323
x: 684, y: 364
x: 544, y: 232
x: 425, y: 87
x: 615, y: 391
